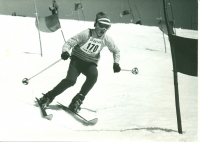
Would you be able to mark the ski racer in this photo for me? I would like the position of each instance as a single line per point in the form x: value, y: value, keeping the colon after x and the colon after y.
x: 86, y: 47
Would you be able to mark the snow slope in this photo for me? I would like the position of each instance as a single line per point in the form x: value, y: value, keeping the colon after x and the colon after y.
x: 139, y: 108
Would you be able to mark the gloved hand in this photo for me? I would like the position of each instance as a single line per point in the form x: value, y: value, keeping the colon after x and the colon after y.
x: 116, y: 67
x: 65, y: 55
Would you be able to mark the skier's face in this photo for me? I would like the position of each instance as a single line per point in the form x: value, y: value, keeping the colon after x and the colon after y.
x: 101, y: 28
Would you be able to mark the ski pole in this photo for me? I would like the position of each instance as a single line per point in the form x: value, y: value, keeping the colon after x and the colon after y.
x: 26, y: 80
x: 134, y: 70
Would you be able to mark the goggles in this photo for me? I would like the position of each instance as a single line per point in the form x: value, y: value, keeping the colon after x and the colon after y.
x: 103, y: 26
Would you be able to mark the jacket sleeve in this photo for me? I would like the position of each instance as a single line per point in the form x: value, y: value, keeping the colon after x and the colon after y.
x: 72, y: 42
x: 113, y: 49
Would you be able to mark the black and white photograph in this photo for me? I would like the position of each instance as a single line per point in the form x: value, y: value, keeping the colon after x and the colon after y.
x: 99, y: 70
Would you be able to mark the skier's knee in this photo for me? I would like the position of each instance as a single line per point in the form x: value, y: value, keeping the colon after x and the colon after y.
x: 93, y: 77
x: 72, y: 82
x: 69, y: 82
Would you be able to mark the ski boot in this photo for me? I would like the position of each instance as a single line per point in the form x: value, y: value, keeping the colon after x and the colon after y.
x: 46, y: 100
x: 76, y: 103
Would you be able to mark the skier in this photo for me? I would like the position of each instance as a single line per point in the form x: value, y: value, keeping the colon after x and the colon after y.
x: 85, y: 55
x: 54, y: 8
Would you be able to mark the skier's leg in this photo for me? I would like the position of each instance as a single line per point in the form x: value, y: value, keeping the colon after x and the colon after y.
x: 72, y: 74
x: 91, y: 74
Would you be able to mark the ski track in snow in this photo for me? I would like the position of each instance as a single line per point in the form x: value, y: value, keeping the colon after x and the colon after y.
x: 139, y: 108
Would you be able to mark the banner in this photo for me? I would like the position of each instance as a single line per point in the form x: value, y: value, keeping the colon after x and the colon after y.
x: 78, y: 6
x: 48, y: 24
x: 186, y: 54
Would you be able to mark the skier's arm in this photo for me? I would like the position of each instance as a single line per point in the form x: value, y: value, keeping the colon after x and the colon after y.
x: 69, y: 44
x: 72, y: 42
x: 114, y: 49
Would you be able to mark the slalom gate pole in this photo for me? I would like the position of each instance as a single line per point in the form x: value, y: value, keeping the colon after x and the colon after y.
x: 164, y: 42
x: 178, y: 113
x: 63, y: 35
x: 83, y: 15
x: 82, y: 11
x: 61, y: 29
x: 25, y: 80
x: 38, y: 26
x: 162, y: 26
x: 78, y: 15
x: 131, y: 10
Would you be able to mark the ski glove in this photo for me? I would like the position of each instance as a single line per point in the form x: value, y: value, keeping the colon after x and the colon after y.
x: 116, y: 67
x: 65, y: 55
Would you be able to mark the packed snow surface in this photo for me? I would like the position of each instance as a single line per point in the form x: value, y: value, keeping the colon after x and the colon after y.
x: 139, y: 108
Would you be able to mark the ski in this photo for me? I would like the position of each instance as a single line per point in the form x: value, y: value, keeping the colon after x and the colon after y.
x: 90, y: 122
x: 44, y: 113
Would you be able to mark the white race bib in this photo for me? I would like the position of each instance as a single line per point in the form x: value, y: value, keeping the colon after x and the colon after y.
x: 92, y: 46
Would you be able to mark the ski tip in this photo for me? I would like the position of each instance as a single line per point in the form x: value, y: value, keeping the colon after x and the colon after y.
x: 49, y: 117
x: 38, y: 101
x: 93, y: 121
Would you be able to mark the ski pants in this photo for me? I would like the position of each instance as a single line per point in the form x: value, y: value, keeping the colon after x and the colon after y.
x: 76, y: 67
